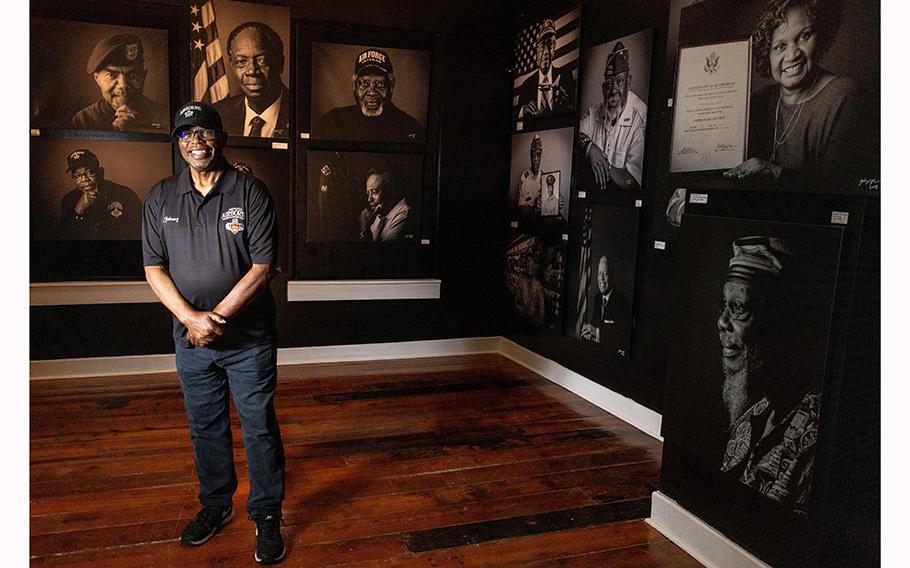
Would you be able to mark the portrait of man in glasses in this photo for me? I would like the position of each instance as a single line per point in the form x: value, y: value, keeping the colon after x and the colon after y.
x: 772, y: 407
x: 97, y: 208
x: 374, y: 115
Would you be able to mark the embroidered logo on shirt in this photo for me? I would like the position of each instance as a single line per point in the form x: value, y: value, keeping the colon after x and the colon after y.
x: 233, y: 213
x: 171, y: 219
x: 115, y: 208
x: 234, y: 226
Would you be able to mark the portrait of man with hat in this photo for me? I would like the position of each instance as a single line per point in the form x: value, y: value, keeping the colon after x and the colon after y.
x: 97, y: 209
x: 550, y: 89
x: 373, y: 116
x: 611, y: 134
x: 117, y: 64
x: 771, y: 403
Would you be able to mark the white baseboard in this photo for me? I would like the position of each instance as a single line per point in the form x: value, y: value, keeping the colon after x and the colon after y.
x: 620, y: 406
x: 702, y: 541
x: 145, y: 364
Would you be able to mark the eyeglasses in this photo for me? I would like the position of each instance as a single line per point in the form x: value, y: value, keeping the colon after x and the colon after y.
x: 186, y: 136
x: 84, y: 175
x: 366, y: 84
x: 738, y: 311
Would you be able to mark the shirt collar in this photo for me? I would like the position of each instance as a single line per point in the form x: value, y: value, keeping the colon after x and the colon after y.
x: 225, y: 183
x: 269, y: 115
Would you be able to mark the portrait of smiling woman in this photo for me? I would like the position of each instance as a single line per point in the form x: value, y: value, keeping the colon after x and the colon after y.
x: 804, y: 128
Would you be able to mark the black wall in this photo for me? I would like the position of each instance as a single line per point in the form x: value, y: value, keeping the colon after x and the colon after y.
x: 474, y: 146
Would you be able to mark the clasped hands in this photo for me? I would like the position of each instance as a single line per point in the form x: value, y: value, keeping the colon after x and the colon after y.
x: 203, y: 328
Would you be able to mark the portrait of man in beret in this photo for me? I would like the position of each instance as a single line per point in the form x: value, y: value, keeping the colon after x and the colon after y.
x: 117, y: 64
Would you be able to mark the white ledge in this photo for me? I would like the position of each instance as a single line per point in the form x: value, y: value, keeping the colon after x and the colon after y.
x: 81, y: 293
x: 340, y: 290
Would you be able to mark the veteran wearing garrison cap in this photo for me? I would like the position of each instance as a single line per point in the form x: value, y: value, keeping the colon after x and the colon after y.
x: 118, y: 66
x: 97, y: 209
x: 373, y: 116
x: 770, y: 401
x: 549, y: 89
x: 612, y: 133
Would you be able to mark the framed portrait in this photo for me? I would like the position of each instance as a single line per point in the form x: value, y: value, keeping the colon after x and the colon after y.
x: 601, y: 279
x: 787, y: 148
x: 614, y: 113
x: 86, y: 205
x: 88, y: 75
x: 751, y: 291
x: 536, y: 158
x: 363, y: 215
x: 239, y: 62
x: 534, y: 272
x: 545, y: 71
x: 364, y: 84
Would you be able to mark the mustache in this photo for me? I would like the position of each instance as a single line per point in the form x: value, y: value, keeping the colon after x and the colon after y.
x: 729, y: 342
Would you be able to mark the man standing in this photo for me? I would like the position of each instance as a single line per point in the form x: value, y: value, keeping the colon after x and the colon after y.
x: 96, y: 208
x: 118, y: 66
x: 209, y: 240
x: 256, y: 54
x: 550, y: 199
x: 386, y: 216
x: 550, y: 90
x: 611, y: 309
x: 773, y: 411
x: 612, y: 133
x: 373, y: 116
x: 529, y: 185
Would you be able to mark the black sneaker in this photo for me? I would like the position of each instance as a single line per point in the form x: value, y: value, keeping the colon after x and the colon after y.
x: 269, y: 544
x: 205, y: 525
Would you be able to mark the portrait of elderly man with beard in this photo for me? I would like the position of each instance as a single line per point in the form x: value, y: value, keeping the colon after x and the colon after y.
x: 118, y: 66
x: 769, y: 394
x: 373, y: 116
x: 612, y: 133
x: 256, y: 55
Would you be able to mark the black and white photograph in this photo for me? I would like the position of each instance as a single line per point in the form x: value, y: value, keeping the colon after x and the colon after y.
x: 814, y: 107
x: 369, y: 92
x: 536, y: 158
x: 239, y: 60
x: 534, y: 272
x: 94, y: 76
x: 92, y: 190
x: 546, y: 69
x: 602, y: 277
x: 614, y: 113
x: 754, y: 311
x: 363, y: 197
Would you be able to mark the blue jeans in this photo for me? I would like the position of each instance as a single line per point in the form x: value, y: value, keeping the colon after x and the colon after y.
x: 206, y: 376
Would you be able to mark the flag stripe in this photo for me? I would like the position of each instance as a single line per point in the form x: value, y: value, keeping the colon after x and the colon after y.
x: 209, y: 80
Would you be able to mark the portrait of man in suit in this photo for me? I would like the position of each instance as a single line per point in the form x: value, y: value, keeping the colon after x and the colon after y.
x: 256, y: 56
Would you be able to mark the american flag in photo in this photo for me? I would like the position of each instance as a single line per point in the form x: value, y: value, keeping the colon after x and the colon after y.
x: 584, y: 273
x: 210, y: 84
x: 568, y: 27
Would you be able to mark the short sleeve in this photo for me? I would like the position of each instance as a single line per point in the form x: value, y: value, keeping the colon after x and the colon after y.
x: 262, y: 225
x: 154, y: 251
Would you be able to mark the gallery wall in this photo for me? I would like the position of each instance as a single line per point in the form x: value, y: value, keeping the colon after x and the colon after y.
x: 472, y: 148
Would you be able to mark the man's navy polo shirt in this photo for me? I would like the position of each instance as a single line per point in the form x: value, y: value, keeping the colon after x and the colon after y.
x: 208, y: 244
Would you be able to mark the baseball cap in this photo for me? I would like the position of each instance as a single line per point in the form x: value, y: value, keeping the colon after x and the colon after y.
x: 122, y: 50
x: 547, y: 27
x: 372, y: 58
x: 196, y: 114
x: 82, y: 158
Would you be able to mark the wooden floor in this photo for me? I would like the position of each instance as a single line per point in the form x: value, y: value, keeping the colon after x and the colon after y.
x: 457, y: 461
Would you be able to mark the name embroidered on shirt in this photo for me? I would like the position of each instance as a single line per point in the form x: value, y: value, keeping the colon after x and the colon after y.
x: 171, y: 219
